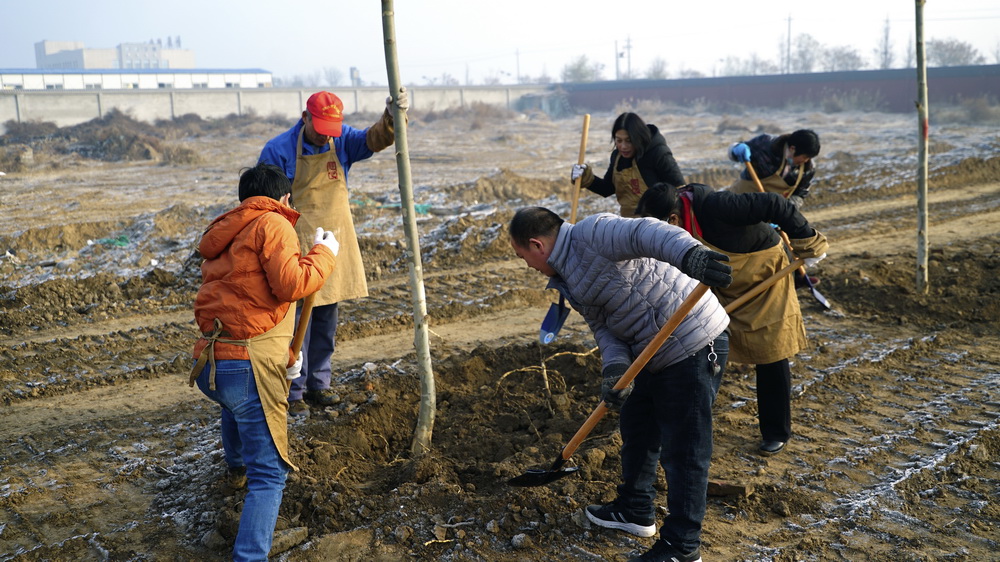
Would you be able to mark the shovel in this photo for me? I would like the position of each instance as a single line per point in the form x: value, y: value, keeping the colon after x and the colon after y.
x: 784, y: 236
x: 553, y: 321
x: 300, y: 328
x: 763, y: 285
x: 540, y: 477
x: 576, y: 184
x: 557, y: 314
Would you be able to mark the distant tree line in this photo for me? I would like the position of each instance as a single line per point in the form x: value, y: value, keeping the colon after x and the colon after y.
x: 803, y: 54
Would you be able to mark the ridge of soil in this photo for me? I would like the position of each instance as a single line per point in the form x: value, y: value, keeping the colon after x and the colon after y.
x: 107, y: 454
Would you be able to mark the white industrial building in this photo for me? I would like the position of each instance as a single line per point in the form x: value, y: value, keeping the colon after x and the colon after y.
x: 68, y: 65
x: 134, y: 79
x: 64, y: 55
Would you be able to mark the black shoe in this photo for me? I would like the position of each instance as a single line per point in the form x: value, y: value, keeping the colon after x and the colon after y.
x: 663, y: 551
x: 613, y: 517
x: 324, y: 397
x: 768, y: 448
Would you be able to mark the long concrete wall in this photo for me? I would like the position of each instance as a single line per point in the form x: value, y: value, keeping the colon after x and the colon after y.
x: 65, y: 108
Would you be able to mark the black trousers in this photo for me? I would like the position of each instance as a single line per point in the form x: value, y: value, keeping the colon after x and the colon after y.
x: 774, y: 400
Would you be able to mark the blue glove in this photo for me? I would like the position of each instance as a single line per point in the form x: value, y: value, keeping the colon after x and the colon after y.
x: 740, y: 152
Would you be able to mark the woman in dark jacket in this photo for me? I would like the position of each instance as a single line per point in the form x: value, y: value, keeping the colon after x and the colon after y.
x: 640, y: 159
x: 767, y: 330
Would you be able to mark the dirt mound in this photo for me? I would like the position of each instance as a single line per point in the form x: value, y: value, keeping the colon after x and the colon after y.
x: 964, y: 287
x: 508, y: 187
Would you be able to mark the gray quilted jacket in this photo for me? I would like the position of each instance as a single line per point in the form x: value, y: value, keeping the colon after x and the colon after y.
x: 623, y: 276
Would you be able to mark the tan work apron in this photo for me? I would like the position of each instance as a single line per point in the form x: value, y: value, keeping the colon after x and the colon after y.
x: 629, y: 187
x: 768, y: 327
x: 269, y: 360
x: 319, y: 193
x: 775, y: 183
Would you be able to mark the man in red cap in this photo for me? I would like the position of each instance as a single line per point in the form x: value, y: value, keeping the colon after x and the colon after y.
x: 316, y: 155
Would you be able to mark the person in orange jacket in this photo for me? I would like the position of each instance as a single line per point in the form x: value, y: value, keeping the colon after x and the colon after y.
x: 252, y: 273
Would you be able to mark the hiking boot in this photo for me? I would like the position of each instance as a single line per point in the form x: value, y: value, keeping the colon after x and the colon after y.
x: 613, y: 517
x: 236, y: 478
x: 298, y: 409
x: 663, y: 551
x: 324, y: 397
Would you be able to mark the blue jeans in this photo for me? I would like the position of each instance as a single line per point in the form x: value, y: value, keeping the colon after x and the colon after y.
x: 247, y: 442
x: 317, y: 349
x: 668, y: 418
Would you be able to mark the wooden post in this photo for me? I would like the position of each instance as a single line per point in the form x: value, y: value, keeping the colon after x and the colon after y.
x: 923, y: 280
x: 428, y: 402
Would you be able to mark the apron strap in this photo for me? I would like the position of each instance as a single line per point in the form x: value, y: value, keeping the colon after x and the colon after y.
x: 210, y: 356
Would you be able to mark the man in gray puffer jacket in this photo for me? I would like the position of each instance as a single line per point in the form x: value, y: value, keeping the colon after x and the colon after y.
x: 626, y: 277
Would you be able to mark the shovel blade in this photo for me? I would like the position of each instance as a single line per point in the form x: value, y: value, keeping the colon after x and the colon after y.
x: 553, y: 322
x: 540, y: 477
x: 816, y: 294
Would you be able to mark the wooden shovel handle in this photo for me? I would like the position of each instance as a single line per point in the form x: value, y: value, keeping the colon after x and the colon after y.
x: 784, y: 235
x: 300, y: 329
x: 583, y: 151
x: 647, y: 353
x: 763, y: 285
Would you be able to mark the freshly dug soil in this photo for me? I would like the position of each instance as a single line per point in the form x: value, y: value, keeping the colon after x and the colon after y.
x: 108, y: 455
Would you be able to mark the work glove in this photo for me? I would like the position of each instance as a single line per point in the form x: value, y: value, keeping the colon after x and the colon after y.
x: 702, y: 264
x: 326, y: 238
x: 614, y: 399
x: 811, y: 262
x: 402, y: 101
x: 577, y: 171
x: 796, y: 200
x: 740, y: 152
x: 812, y: 247
x: 295, y: 371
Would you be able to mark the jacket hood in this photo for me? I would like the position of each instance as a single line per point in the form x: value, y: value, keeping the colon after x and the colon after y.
x: 224, y: 229
x: 655, y: 137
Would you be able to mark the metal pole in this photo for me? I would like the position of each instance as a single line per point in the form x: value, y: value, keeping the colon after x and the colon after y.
x: 425, y: 418
x: 923, y: 281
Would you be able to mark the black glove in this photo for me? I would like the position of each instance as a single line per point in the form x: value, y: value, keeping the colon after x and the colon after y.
x: 614, y: 399
x: 702, y: 264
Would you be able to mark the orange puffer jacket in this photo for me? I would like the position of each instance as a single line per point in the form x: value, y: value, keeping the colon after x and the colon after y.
x: 252, y: 271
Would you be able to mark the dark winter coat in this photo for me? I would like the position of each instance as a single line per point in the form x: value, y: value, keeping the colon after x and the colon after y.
x: 656, y: 165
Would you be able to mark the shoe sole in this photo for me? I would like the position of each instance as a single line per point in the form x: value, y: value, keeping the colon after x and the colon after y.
x: 631, y: 528
x: 766, y: 453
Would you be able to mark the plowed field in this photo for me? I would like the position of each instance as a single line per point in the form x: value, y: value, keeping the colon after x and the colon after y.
x: 106, y: 453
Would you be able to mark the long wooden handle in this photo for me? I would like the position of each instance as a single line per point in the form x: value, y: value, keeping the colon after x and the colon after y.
x: 764, y: 285
x: 647, y: 353
x: 784, y: 235
x: 300, y: 329
x: 583, y: 151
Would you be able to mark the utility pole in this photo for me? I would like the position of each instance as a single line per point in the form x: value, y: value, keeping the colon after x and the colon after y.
x: 517, y: 66
x: 788, y: 47
x: 617, y: 54
x: 628, y: 49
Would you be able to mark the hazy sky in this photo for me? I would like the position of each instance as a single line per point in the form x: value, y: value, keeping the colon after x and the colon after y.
x: 475, y: 39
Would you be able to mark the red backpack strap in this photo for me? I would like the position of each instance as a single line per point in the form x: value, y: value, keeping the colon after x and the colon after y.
x: 689, y: 221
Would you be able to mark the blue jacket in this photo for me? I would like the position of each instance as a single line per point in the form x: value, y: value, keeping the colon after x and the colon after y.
x: 350, y: 145
x: 622, y: 275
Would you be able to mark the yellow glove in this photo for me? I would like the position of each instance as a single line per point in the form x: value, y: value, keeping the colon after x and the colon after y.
x: 813, y: 247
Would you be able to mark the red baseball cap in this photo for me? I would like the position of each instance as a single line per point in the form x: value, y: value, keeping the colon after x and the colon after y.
x: 327, y: 113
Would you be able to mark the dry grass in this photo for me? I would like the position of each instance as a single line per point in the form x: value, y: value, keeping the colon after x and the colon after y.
x: 476, y: 113
x: 973, y: 111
